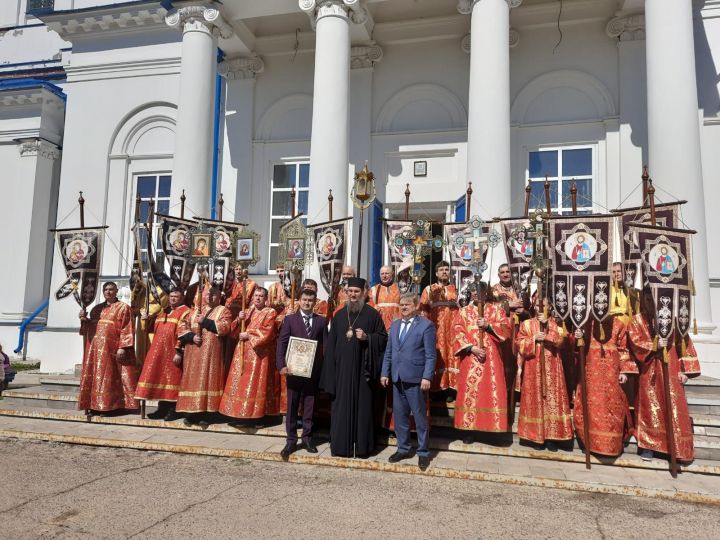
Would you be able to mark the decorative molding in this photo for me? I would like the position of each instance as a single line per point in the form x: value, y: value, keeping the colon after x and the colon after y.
x: 435, y: 93
x: 513, y: 40
x: 38, y: 147
x: 350, y: 10
x: 240, y: 68
x: 465, y: 7
x: 588, y: 85
x: 365, y: 56
x: 628, y: 28
x: 200, y: 19
x: 128, y: 18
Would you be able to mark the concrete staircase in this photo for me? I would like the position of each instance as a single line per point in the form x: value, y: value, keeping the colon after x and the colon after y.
x: 54, y: 398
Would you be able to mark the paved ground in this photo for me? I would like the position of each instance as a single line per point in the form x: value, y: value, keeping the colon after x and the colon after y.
x: 54, y: 490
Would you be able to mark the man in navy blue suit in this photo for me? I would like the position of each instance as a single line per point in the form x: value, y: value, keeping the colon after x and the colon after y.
x: 410, y: 363
x: 305, y: 324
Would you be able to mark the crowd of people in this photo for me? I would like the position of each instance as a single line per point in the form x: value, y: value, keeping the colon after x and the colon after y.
x: 225, y: 351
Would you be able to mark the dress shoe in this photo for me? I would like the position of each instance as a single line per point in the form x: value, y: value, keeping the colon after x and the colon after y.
x: 188, y: 421
x: 157, y: 415
x: 398, y: 456
x: 423, y: 462
x: 289, y: 449
x: 203, y: 424
x: 550, y: 446
x: 172, y: 415
x: 308, y: 446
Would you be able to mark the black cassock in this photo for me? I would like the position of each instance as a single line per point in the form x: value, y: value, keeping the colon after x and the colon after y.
x: 349, y: 374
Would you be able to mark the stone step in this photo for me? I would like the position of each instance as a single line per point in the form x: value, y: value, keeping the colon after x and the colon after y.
x: 450, y: 440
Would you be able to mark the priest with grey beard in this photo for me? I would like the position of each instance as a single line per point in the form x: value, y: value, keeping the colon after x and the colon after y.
x: 354, y: 350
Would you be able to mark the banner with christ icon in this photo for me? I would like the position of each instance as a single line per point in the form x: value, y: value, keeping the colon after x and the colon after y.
x: 330, y: 245
x: 518, y: 252
x: 81, y: 253
x: 666, y: 215
x: 581, y: 251
x: 175, y: 244
x: 665, y: 256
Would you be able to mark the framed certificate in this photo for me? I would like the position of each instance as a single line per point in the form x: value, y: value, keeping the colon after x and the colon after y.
x: 300, y: 356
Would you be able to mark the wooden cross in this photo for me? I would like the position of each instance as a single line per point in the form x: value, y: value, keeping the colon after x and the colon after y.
x: 419, y: 243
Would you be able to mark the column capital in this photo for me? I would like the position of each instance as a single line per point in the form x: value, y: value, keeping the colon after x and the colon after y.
x: 465, y: 7
x: 626, y: 28
x: 241, y: 67
x: 38, y: 147
x: 365, y: 56
x: 513, y: 40
x: 200, y: 18
x: 350, y: 10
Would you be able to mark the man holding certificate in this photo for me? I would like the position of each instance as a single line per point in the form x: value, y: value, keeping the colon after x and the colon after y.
x: 299, y: 354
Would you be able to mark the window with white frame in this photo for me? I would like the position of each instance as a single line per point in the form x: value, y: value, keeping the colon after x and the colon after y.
x: 562, y: 166
x: 286, y: 177
x: 156, y: 187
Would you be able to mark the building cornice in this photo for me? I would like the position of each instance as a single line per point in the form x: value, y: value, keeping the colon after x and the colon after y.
x: 31, y: 96
x: 123, y: 19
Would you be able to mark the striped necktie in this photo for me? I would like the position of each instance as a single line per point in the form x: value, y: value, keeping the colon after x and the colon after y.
x: 307, y: 324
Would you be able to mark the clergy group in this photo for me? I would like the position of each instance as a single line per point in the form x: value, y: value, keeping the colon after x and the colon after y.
x: 383, y: 356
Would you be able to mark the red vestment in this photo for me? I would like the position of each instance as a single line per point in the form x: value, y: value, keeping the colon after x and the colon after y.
x: 650, y: 402
x: 439, y: 304
x: 252, y: 389
x: 481, y: 403
x: 105, y: 384
x: 160, y: 377
x: 549, y: 418
x: 203, y: 377
x: 607, y: 401
x: 386, y: 300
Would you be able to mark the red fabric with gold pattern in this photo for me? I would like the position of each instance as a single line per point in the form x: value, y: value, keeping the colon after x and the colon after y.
x: 105, y: 384
x: 549, y: 418
x: 203, y: 377
x: 252, y: 389
x: 607, y: 402
x: 386, y: 300
x: 650, y: 402
x: 439, y: 304
x: 160, y: 377
x: 481, y: 403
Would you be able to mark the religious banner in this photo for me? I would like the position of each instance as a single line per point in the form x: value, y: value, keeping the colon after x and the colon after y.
x: 211, y: 245
x: 665, y: 256
x: 581, y: 250
x: 330, y: 244
x: 666, y: 215
x: 81, y: 252
x: 518, y: 253
x: 469, y: 243
x: 417, y: 241
x: 175, y: 243
x: 400, y: 259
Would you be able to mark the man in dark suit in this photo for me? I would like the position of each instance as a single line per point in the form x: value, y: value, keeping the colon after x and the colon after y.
x: 410, y: 363
x: 307, y: 325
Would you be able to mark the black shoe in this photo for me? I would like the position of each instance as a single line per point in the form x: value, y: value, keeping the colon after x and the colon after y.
x: 157, y: 415
x: 550, y: 446
x: 398, y: 456
x: 203, y: 424
x: 469, y: 439
x: 423, y: 462
x: 289, y: 449
x: 308, y: 446
x: 172, y: 415
x: 188, y: 421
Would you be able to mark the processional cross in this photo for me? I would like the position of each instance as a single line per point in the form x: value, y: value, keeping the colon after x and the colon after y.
x: 419, y: 243
x: 477, y: 240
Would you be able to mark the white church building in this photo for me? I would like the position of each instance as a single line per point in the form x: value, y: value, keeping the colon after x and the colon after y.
x: 252, y: 98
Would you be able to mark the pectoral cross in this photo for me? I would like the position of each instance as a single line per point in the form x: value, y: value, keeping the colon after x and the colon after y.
x: 419, y: 243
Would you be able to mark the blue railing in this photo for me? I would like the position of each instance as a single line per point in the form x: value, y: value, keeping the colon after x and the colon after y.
x: 26, y: 323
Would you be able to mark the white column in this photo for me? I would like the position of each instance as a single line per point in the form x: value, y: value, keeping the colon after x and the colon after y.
x: 192, y: 165
x: 674, y: 128
x: 489, y: 104
x: 329, y: 140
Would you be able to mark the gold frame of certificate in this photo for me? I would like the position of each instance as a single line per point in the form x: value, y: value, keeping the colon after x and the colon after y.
x: 300, y: 356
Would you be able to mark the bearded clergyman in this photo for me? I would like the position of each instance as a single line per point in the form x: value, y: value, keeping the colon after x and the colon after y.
x: 354, y: 352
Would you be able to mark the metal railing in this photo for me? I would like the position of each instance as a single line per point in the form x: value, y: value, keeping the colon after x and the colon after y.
x: 22, y: 338
x: 34, y: 6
